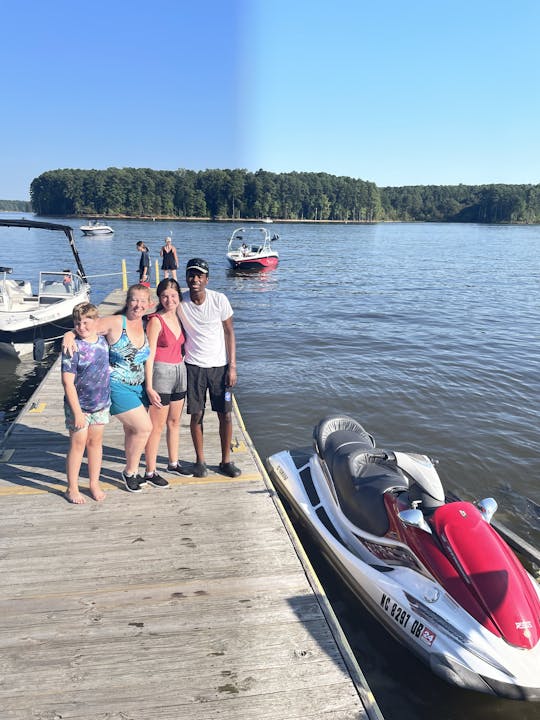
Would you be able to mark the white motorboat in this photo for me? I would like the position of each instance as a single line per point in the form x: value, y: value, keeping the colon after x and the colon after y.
x: 29, y: 322
x: 251, y: 248
x: 434, y: 571
x: 96, y: 228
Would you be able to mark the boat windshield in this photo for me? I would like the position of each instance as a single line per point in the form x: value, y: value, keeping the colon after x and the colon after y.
x: 247, y: 241
x: 57, y: 285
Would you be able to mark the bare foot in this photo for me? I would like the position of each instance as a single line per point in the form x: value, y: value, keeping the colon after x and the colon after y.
x: 75, y: 497
x: 96, y: 492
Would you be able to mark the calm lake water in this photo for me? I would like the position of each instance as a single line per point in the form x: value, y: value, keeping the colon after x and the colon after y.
x: 426, y: 333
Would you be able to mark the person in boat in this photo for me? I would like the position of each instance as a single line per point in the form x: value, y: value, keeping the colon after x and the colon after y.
x: 87, y: 397
x: 244, y: 249
x: 170, y: 259
x: 206, y: 316
x: 67, y: 282
x: 144, y: 262
x: 166, y: 380
x: 128, y: 352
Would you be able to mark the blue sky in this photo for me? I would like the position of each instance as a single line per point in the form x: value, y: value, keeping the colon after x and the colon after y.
x: 402, y: 92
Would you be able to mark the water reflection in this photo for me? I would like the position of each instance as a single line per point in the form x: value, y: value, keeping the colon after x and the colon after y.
x: 18, y: 379
x: 262, y: 280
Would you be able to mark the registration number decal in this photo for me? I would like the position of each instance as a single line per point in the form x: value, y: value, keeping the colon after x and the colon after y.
x: 395, y: 611
x: 402, y: 617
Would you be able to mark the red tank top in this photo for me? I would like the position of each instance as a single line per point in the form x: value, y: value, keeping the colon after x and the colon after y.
x: 168, y: 347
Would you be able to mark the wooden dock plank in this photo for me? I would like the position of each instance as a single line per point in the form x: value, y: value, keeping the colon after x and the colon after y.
x: 209, y: 618
x: 184, y: 603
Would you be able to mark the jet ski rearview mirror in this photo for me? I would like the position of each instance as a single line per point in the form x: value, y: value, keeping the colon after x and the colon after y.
x: 488, y: 508
x: 414, y: 518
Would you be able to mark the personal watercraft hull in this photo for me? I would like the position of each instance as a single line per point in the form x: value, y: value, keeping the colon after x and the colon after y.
x: 389, y: 577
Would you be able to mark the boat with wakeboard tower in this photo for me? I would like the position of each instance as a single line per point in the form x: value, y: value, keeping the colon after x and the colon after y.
x: 95, y: 227
x: 250, y: 248
x: 32, y: 321
x: 433, y: 570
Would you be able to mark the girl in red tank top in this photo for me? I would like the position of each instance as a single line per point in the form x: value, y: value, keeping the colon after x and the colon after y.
x: 165, y: 380
x: 169, y: 343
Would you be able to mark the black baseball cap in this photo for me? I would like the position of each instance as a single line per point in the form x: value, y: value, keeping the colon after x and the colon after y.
x: 197, y: 264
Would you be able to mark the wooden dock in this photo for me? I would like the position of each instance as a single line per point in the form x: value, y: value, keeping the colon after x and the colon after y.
x: 193, y: 602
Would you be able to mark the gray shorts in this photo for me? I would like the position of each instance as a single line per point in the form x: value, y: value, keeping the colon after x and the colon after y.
x: 170, y: 381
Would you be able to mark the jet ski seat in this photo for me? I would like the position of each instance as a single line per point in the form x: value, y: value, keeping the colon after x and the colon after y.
x: 361, y: 480
x: 361, y: 473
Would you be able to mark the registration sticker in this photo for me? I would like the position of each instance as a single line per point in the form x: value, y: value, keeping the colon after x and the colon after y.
x: 428, y: 636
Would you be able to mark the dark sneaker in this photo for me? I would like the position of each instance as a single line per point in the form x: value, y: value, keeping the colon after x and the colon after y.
x: 179, y: 470
x: 200, y: 470
x: 156, y: 480
x: 229, y: 469
x: 132, y: 482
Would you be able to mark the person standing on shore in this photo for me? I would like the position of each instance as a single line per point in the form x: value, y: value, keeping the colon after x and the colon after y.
x: 170, y: 259
x: 206, y: 316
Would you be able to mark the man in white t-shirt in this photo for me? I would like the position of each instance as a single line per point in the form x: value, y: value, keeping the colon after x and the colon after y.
x: 210, y: 359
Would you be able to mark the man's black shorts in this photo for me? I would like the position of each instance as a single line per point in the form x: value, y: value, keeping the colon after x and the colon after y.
x: 199, y: 380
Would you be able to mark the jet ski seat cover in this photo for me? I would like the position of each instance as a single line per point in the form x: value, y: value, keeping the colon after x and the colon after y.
x: 360, y: 486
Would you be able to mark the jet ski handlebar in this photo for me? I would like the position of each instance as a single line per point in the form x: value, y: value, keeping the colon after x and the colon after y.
x: 378, y: 454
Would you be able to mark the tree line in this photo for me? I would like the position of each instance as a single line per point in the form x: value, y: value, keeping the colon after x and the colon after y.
x: 463, y: 203
x: 15, y: 206
x: 229, y: 194
x: 203, y: 194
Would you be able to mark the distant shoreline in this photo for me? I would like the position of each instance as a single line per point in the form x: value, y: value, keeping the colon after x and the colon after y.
x: 261, y: 221
x: 173, y: 218
x: 238, y: 221
x: 276, y: 221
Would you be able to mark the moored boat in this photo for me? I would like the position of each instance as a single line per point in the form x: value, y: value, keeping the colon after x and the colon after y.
x: 29, y: 322
x: 251, y: 248
x: 96, y: 228
x: 433, y: 571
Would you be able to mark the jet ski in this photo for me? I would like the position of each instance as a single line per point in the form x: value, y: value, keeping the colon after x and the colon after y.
x: 432, y: 570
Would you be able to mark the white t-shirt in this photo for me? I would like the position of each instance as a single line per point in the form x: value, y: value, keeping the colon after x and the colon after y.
x: 205, y: 338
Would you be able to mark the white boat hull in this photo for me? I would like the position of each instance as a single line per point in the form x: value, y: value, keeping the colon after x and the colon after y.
x: 20, y: 329
x: 98, y: 232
